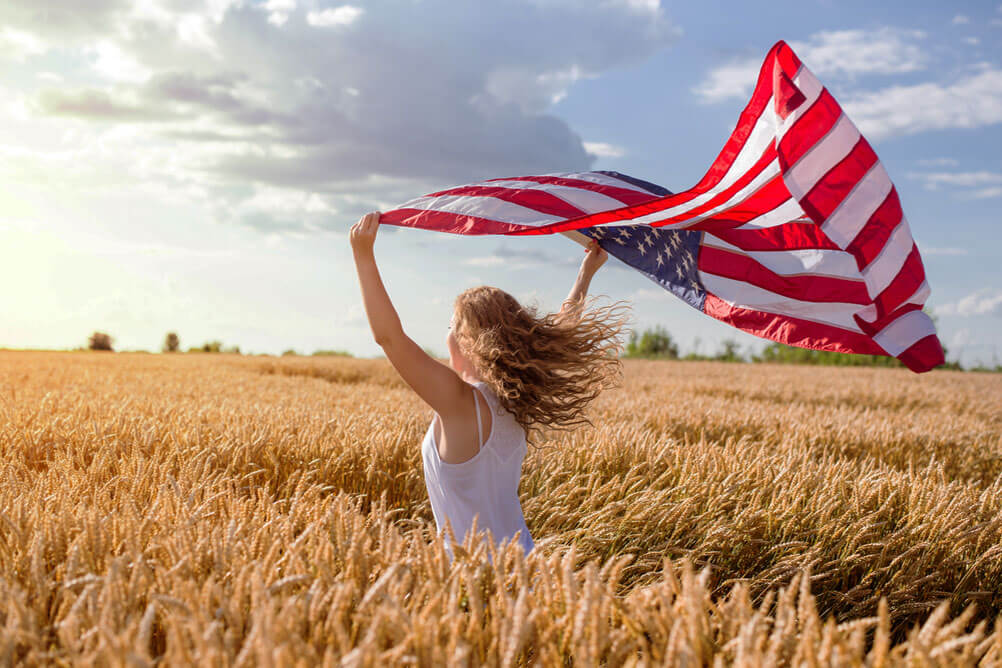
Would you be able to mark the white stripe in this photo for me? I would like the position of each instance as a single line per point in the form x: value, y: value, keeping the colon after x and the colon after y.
x: 606, y: 180
x: 815, y: 262
x: 807, y: 84
x: 920, y: 295
x: 746, y: 295
x: 898, y: 336
x: 853, y: 212
x: 490, y: 208
x: 591, y: 177
x: 768, y: 173
x: 588, y: 201
x: 821, y: 157
x: 879, y: 273
x: 786, y: 212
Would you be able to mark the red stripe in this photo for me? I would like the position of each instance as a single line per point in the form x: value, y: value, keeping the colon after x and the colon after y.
x: 746, y: 122
x: 804, y: 287
x: 878, y: 325
x: 825, y: 196
x: 923, y: 355
x: 788, y: 60
x: 764, y: 160
x: 904, y: 285
x: 878, y: 229
x: 785, y: 93
x: 809, y: 129
x: 443, y: 221
x: 763, y: 200
x: 790, y: 330
x: 624, y: 195
x: 538, y: 200
x: 788, y: 236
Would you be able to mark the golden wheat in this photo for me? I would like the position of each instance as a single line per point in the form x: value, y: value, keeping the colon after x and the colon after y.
x: 243, y: 511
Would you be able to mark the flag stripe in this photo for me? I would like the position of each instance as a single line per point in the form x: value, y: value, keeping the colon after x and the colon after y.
x: 792, y: 236
x: 760, y: 175
x: 539, y: 200
x: 881, y: 225
x: 882, y: 271
x: 812, y: 89
x: 850, y: 216
x: 790, y: 329
x: 803, y: 287
x: 791, y: 262
x: 447, y: 221
x: 812, y: 126
x: 788, y: 210
x: 748, y: 295
x: 903, y: 285
x: 621, y: 193
x: 905, y: 332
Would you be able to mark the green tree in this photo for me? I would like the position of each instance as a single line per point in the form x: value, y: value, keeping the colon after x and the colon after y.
x: 656, y: 343
x: 171, y: 343
x: 729, y: 352
x: 100, y: 341
x: 208, y: 347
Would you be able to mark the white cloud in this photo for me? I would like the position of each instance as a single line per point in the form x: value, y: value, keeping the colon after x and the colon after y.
x: 19, y: 46
x: 485, y: 261
x: 278, y: 10
x: 337, y: 16
x: 960, y: 19
x: 939, y: 162
x: 604, y: 150
x: 963, y: 179
x: 960, y: 338
x: 973, y: 41
x: 986, y: 193
x: 987, y: 184
x: 115, y: 64
x: 735, y: 79
x: 983, y: 302
x: 457, y: 94
x: 842, y: 53
x: 515, y: 258
x: 933, y: 250
x: 970, y: 102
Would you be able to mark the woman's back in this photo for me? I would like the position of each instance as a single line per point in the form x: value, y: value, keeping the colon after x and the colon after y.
x: 484, y: 485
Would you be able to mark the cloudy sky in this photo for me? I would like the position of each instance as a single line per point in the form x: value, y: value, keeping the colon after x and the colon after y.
x: 194, y: 165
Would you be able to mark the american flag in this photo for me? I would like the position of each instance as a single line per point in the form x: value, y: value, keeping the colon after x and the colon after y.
x: 795, y: 234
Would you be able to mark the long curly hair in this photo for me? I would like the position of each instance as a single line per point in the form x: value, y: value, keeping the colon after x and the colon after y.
x: 544, y: 368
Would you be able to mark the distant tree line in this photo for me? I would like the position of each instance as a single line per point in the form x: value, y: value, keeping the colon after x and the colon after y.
x: 657, y: 343
x: 172, y: 344
x: 651, y: 343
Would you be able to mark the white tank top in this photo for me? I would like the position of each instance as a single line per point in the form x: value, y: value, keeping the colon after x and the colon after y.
x: 486, y: 484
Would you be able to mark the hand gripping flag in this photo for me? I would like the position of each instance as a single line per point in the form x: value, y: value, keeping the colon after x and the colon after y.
x: 795, y: 234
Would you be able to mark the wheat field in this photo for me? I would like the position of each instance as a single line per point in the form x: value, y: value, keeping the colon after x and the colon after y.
x: 227, y: 510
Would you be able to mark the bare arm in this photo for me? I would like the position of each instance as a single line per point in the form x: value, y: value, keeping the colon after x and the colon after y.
x: 437, y: 384
x: 595, y: 257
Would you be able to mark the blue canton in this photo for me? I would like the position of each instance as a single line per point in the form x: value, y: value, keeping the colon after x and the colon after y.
x: 667, y: 257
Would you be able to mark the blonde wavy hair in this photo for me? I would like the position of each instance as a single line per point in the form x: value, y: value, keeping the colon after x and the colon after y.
x: 544, y: 368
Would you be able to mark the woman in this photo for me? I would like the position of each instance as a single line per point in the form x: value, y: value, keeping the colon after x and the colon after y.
x: 511, y: 373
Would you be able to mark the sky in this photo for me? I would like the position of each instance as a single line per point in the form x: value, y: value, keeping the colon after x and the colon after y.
x: 195, y: 165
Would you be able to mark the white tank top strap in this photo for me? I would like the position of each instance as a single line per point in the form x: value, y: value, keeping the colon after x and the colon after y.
x: 476, y: 404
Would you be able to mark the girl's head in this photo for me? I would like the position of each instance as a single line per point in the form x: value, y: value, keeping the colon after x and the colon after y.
x: 545, y: 369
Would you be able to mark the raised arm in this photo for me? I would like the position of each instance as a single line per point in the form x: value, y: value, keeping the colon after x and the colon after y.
x: 595, y: 257
x: 437, y: 384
